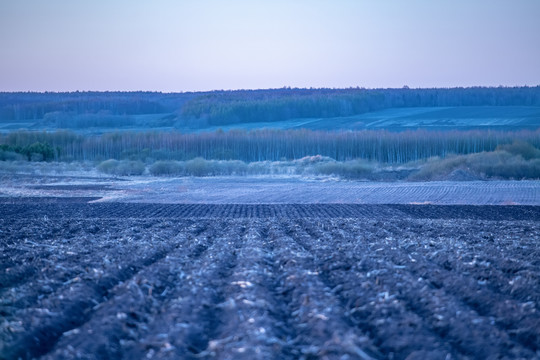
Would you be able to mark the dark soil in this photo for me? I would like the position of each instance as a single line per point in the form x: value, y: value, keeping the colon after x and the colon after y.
x: 134, y: 281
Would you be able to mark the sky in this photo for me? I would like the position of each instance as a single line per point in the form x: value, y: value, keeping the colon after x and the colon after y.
x: 199, y: 45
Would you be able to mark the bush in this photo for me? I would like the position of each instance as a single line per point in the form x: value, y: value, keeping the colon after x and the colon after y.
x: 122, y: 168
x: 503, y: 165
x: 38, y: 152
x: 522, y: 148
x: 436, y: 168
x: 108, y: 166
x: 127, y: 168
x: 166, y: 168
x: 260, y: 168
x: 230, y: 167
x: 198, y: 167
x: 495, y: 164
x: 310, y: 165
x: 35, y: 152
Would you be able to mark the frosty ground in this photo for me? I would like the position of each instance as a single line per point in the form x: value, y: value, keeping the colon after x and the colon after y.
x: 96, y: 269
x: 268, y: 190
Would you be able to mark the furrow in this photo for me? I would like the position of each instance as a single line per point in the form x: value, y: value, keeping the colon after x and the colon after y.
x: 255, y: 319
x: 73, y: 306
x: 317, y: 316
x: 442, y: 299
x: 192, y: 315
x: 370, y: 304
x: 472, y: 249
x: 63, y: 259
x: 493, y: 313
x: 132, y: 304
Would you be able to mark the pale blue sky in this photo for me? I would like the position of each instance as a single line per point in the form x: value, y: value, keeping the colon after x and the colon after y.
x: 177, y: 45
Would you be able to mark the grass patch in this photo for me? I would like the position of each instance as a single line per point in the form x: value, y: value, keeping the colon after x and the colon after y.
x: 517, y: 161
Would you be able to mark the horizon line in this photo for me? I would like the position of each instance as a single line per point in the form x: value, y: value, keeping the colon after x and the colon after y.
x: 405, y: 87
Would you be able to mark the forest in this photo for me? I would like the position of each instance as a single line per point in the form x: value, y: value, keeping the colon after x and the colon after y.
x: 268, y: 106
x: 83, y: 110
x: 261, y: 145
x: 126, y: 133
x: 417, y: 155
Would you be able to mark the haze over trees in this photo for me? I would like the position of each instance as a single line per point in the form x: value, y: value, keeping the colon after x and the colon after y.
x: 221, y: 108
x: 83, y: 110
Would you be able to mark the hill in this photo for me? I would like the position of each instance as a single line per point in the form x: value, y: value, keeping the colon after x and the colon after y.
x: 317, y: 109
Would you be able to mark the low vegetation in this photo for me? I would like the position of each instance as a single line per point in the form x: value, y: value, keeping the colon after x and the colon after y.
x: 36, y: 151
x: 381, y: 146
x: 513, y: 161
x: 307, y: 166
x: 90, y: 116
x: 122, y: 168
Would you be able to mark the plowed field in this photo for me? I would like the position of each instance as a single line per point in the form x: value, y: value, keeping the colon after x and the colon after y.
x: 337, y: 281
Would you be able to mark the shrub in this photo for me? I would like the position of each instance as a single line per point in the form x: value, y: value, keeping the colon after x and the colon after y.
x: 495, y: 164
x: 522, y: 148
x: 122, y: 168
x: 127, y: 168
x: 38, y: 152
x: 260, y: 168
x: 108, y: 166
x: 437, y: 168
x: 198, y: 167
x: 503, y: 165
x: 230, y: 167
x: 166, y: 168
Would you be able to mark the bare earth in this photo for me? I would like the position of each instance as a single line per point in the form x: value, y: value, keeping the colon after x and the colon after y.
x: 234, y: 268
x: 273, y: 190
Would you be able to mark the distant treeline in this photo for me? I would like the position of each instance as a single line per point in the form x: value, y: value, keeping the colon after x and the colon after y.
x: 230, y: 107
x: 277, y: 105
x: 36, y: 151
x: 33, y: 105
x: 261, y: 145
